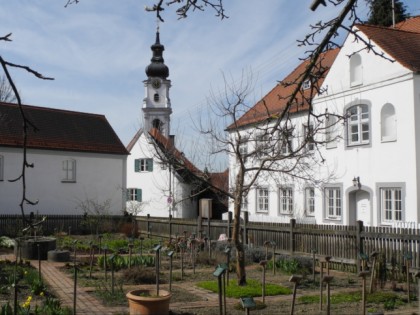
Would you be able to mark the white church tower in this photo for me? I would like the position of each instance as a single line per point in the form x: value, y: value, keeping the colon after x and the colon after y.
x: 157, y: 105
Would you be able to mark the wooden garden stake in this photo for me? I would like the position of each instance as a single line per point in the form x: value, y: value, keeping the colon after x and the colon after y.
x: 313, y: 263
x: 327, y: 279
x: 372, y: 275
x: 130, y: 252
x: 408, y: 259
x: 266, y: 245
x: 295, y: 279
x: 105, y: 264
x: 227, y: 252
x: 325, y: 259
x: 363, y: 275
x: 263, y: 263
x: 417, y: 275
x: 75, y: 279
x: 170, y: 254
x: 273, y: 245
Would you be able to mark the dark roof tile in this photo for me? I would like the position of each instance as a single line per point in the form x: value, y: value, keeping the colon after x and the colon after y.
x: 58, y: 130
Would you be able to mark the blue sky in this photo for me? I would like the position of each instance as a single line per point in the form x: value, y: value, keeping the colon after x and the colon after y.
x: 97, y: 51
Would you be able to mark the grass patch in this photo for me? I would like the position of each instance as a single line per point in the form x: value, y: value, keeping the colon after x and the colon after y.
x: 389, y: 299
x: 253, y: 288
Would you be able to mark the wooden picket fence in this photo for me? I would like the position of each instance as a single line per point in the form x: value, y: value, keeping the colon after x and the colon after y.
x: 12, y: 225
x: 347, y: 245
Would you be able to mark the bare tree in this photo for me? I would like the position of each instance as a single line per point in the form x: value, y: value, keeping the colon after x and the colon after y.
x: 25, y: 126
x: 6, y: 91
x: 271, y: 154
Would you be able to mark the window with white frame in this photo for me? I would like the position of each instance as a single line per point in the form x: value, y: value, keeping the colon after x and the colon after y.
x: 358, y: 125
x: 391, y: 204
x: 310, y: 200
x: 243, y: 147
x: 134, y: 194
x: 306, y: 84
x: 286, y: 200
x: 1, y: 168
x: 333, y: 202
x: 69, y: 171
x: 262, y: 144
x: 143, y: 165
x: 308, y: 132
x: 331, y: 132
x: 286, y: 142
x: 262, y: 200
x: 244, y: 203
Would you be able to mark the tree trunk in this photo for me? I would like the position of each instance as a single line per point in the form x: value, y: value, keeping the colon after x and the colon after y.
x: 237, y: 239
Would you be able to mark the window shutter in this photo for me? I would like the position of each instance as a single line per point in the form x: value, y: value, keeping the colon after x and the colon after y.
x: 137, y: 165
x: 139, y: 195
x: 149, y: 165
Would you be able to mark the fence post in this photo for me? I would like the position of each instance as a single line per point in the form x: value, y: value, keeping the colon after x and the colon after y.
x: 208, y: 229
x: 199, y: 225
x: 359, y: 243
x: 148, y: 225
x: 246, y: 220
x: 292, y: 236
x: 229, y: 223
x: 170, y: 227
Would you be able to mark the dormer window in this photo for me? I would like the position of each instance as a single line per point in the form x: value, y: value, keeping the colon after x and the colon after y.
x: 156, y: 97
x: 306, y: 84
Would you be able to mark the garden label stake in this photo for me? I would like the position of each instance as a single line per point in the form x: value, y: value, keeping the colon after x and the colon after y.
x: 263, y: 263
x: 295, y: 279
x: 170, y: 254
x: 363, y: 275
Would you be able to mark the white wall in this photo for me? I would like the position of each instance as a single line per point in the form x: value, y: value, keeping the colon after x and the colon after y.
x: 98, y: 177
x: 155, y: 185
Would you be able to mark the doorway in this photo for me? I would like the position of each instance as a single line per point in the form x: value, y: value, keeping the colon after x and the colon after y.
x: 360, y: 208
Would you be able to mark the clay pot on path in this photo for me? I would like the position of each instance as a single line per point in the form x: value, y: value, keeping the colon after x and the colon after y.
x: 147, y: 302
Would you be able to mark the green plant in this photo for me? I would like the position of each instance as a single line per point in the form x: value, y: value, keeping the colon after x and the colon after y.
x: 253, y: 288
x: 104, y: 292
x: 6, y: 309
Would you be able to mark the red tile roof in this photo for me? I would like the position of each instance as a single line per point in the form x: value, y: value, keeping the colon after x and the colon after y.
x: 272, y: 105
x: 400, y: 44
x: 58, y: 130
x: 217, y: 180
x: 411, y: 25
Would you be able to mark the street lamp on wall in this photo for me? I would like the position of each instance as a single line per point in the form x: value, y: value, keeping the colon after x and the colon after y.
x: 356, y: 182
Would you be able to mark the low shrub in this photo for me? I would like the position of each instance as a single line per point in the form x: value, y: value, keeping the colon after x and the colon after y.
x: 139, y: 275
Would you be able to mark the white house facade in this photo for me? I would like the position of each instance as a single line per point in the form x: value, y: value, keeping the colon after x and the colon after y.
x: 77, y: 157
x: 371, y: 140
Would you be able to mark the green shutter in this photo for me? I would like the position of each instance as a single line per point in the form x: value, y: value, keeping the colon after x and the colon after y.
x: 139, y: 195
x: 137, y: 165
x: 149, y: 165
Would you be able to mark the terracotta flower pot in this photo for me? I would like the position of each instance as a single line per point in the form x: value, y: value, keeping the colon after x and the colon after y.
x: 146, y: 302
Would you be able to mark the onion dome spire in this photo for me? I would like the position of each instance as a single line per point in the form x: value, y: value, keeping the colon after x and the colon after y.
x: 157, y: 68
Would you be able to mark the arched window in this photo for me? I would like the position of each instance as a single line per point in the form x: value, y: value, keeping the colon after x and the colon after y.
x: 358, y: 125
x: 356, y: 75
x: 156, y: 97
x: 157, y: 124
x: 388, y: 123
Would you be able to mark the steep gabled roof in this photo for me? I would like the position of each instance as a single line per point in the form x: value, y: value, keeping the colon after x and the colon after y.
x: 400, y: 44
x: 411, y: 25
x: 185, y: 167
x: 273, y: 104
x: 168, y: 147
x: 58, y: 130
